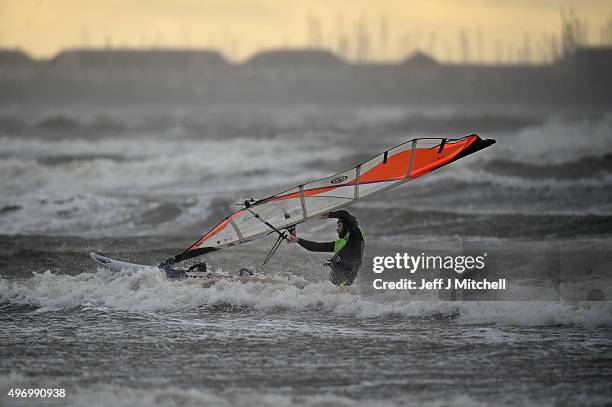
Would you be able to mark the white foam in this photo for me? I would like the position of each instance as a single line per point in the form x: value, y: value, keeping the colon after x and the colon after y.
x: 148, y: 290
x: 587, y: 314
x: 493, y: 335
x: 559, y: 140
x: 63, y: 213
x: 138, y: 166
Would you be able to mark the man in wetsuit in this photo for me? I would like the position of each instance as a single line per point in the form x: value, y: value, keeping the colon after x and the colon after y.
x: 348, y: 249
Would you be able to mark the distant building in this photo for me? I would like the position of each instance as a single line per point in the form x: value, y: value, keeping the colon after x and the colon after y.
x: 299, y: 75
x: 295, y: 59
x: 142, y: 58
x: 13, y: 57
x: 420, y: 59
x: 593, y: 61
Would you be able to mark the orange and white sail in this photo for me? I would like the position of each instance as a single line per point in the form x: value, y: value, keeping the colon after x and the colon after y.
x: 387, y: 170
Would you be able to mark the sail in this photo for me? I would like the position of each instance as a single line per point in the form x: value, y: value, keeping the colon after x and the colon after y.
x: 389, y: 169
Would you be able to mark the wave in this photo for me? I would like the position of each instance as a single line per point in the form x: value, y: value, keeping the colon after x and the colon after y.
x: 583, y: 168
x: 262, y: 121
x: 131, y: 165
x: 63, y: 123
x: 118, y: 395
x: 461, y: 125
x: 211, y: 124
x: 148, y: 290
x: 59, y: 123
x: 560, y: 140
x: 95, y: 216
x: 70, y: 214
x: 476, y: 210
x: 474, y: 189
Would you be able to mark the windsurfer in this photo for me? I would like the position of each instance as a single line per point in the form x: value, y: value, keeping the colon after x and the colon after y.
x: 348, y: 249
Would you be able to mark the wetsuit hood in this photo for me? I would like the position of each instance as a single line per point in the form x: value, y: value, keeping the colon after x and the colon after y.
x: 346, y: 219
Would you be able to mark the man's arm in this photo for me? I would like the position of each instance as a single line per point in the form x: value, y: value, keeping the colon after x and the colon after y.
x: 312, y: 246
x: 316, y: 246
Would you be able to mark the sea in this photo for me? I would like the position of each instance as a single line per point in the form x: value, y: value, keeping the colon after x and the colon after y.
x: 140, y: 184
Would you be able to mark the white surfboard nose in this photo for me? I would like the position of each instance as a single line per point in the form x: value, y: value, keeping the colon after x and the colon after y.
x: 99, y: 259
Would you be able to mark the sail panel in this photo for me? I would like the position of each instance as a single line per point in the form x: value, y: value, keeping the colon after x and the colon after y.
x: 384, y: 170
x: 433, y: 153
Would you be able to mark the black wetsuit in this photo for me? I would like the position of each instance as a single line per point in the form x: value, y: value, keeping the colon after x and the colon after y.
x: 177, y: 274
x: 346, y: 262
x: 173, y: 273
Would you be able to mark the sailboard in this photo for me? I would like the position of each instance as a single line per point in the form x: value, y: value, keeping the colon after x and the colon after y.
x: 282, y: 211
x: 207, y: 277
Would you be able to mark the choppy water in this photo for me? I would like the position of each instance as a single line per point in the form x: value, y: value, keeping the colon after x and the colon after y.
x: 142, y: 186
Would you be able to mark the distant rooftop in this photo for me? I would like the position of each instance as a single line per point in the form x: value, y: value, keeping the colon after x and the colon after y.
x: 149, y: 57
x: 295, y: 58
x: 421, y: 59
x: 602, y: 52
x: 594, y: 55
x: 13, y: 56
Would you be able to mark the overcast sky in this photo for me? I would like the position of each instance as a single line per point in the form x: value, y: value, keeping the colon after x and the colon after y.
x: 492, y: 29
